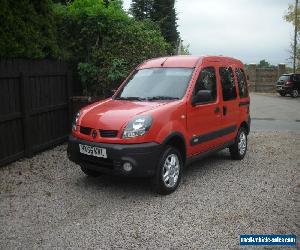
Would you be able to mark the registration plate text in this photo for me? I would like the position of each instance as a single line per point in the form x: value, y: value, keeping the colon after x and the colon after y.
x: 94, y: 151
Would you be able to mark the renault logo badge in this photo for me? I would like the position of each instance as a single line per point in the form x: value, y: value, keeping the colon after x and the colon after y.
x: 94, y: 134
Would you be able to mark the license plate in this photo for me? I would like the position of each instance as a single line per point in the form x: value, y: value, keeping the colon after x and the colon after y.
x: 94, y: 151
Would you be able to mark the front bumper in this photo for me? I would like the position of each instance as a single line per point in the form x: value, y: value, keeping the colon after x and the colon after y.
x: 283, y: 89
x: 143, y: 157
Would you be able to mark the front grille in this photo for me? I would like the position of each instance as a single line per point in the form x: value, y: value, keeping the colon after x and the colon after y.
x: 108, y: 133
x: 85, y: 130
x: 103, y: 133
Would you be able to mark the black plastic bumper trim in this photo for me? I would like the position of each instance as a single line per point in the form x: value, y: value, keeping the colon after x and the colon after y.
x: 143, y: 157
x: 212, y: 135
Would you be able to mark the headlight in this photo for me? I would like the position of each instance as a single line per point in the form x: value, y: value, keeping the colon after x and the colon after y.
x: 137, y: 127
x: 75, y: 120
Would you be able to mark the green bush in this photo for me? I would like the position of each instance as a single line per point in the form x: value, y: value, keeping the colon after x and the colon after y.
x: 88, y: 75
x: 105, y: 42
x: 102, y: 41
x: 28, y: 29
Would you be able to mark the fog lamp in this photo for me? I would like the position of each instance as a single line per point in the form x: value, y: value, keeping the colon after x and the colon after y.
x: 127, y: 166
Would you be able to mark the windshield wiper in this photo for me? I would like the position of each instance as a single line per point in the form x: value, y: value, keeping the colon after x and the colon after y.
x: 153, y: 98
x: 131, y: 98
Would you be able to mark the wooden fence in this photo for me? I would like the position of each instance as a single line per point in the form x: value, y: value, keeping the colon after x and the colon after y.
x: 34, y: 106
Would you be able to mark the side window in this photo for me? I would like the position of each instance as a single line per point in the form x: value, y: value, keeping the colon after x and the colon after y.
x: 227, y: 82
x: 207, y: 81
x: 242, y: 83
x: 296, y: 78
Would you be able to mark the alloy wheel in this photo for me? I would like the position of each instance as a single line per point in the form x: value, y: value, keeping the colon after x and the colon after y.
x: 242, y: 144
x: 171, y: 170
x: 295, y: 93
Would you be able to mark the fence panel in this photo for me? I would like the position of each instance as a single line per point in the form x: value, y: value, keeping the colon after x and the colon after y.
x: 34, y: 106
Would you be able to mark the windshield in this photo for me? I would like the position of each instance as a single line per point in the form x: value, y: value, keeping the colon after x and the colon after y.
x: 156, y: 84
x: 284, y: 78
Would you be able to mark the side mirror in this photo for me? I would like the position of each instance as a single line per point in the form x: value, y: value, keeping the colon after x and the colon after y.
x: 202, y: 96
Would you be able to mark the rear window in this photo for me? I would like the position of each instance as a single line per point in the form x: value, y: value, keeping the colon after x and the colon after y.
x: 284, y: 78
x: 242, y: 83
x: 227, y: 82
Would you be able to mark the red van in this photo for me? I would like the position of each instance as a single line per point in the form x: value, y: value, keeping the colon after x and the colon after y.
x: 169, y: 112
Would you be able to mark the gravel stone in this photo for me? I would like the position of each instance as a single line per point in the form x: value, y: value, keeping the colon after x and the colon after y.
x: 47, y: 202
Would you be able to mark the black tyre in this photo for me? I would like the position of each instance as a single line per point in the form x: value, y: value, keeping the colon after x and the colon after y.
x: 282, y: 93
x: 168, y: 172
x: 89, y: 172
x: 295, y: 93
x: 239, y: 148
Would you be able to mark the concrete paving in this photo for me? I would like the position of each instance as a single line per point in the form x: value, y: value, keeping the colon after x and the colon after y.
x: 274, y: 113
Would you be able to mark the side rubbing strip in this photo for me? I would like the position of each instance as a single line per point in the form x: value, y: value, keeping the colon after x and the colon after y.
x: 212, y: 135
x: 244, y: 104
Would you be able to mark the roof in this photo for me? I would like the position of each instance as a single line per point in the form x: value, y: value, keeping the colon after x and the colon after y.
x: 183, y: 61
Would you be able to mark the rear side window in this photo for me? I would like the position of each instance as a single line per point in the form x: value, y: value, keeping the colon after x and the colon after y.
x: 228, y: 86
x: 242, y: 83
x: 207, y: 81
x: 296, y: 78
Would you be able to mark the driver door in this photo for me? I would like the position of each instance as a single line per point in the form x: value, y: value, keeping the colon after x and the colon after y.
x: 204, y: 118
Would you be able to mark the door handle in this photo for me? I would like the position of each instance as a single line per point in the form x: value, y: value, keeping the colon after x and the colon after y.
x: 224, y: 110
x: 217, y: 110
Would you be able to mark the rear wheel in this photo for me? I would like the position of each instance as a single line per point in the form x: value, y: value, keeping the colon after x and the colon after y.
x: 295, y: 93
x: 168, y: 173
x: 89, y: 172
x: 239, y: 148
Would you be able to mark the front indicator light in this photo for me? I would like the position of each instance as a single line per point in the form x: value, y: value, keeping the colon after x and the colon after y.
x: 137, y: 127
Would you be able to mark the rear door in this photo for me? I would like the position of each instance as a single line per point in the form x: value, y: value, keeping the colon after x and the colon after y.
x: 230, y: 104
x: 297, y: 82
x: 204, y: 118
x: 244, y: 99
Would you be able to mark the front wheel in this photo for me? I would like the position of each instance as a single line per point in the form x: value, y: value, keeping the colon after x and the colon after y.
x: 239, y: 148
x: 168, y: 173
x: 295, y: 93
x: 282, y: 93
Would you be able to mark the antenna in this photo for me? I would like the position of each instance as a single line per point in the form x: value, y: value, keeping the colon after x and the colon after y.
x: 162, y: 64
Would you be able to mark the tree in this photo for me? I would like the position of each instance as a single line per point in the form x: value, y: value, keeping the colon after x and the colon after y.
x: 293, y: 16
x: 28, y: 29
x: 105, y: 43
x: 185, y: 49
x: 62, y: 1
x: 141, y: 9
x: 290, y: 15
x: 164, y: 14
x: 264, y: 64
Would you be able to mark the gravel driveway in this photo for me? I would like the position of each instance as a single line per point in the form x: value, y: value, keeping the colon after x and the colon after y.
x: 46, y: 202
